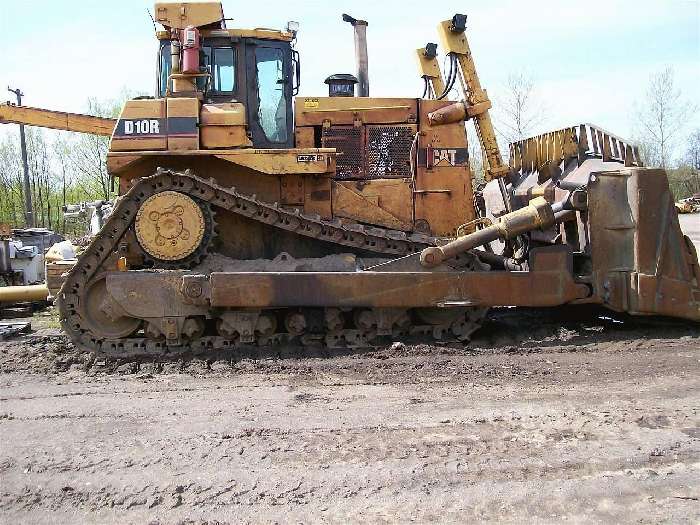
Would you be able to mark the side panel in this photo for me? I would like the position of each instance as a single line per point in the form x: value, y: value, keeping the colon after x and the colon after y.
x: 384, y: 202
x: 246, y: 180
x: 141, y: 126
x: 216, y: 137
x: 183, y: 123
x: 292, y: 190
x: 317, y: 196
x: 304, y: 137
x: 180, y: 15
x: 443, y: 189
x: 223, y: 126
x: 345, y: 111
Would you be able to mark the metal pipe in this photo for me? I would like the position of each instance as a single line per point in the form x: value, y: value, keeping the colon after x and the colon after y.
x: 570, y: 185
x: 175, y: 56
x: 360, y: 28
x: 23, y: 294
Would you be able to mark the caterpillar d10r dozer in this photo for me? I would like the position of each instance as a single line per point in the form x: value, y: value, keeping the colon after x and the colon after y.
x: 348, y: 220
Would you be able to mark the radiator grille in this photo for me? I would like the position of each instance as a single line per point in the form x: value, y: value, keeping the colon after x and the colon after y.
x: 348, y: 140
x: 370, y: 152
x: 388, y: 151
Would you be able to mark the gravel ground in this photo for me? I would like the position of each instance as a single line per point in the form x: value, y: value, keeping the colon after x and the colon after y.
x: 576, y: 418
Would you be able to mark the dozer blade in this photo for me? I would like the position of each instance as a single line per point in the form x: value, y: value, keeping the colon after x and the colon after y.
x: 642, y: 262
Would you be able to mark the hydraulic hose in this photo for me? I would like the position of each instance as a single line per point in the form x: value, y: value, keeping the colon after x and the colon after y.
x: 451, y: 77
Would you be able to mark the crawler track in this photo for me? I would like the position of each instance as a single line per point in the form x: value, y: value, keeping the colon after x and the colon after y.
x: 102, y: 253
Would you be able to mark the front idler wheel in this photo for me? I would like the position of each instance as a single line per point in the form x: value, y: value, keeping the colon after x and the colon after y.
x: 104, y: 316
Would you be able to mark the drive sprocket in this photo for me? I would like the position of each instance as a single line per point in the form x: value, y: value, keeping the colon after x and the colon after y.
x: 174, y: 230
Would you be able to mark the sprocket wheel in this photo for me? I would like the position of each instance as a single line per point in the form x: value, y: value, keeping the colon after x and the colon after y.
x: 174, y: 230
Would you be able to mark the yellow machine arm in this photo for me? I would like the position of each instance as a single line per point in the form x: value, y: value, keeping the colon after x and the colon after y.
x: 430, y: 70
x: 477, y: 103
x: 11, y: 114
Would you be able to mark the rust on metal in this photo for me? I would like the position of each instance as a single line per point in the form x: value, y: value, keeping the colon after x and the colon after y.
x: 641, y: 260
x: 394, y: 289
x: 584, y: 141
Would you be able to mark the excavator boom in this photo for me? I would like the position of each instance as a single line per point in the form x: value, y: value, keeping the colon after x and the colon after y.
x: 44, y: 118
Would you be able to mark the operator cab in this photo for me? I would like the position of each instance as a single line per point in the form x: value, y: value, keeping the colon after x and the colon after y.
x: 258, y: 68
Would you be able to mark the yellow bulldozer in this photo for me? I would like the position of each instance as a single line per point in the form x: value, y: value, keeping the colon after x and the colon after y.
x: 248, y: 215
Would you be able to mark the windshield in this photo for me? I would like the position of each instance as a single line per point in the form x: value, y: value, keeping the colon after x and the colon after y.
x: 272, y: 106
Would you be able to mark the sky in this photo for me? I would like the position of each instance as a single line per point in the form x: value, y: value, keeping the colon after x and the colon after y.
x: 589, y: 61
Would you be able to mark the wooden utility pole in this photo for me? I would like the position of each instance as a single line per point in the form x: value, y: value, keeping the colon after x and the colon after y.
x: 27, y: 190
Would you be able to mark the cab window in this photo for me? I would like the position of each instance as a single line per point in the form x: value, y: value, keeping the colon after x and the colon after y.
x: 221, y: 64
x: 272, y: 105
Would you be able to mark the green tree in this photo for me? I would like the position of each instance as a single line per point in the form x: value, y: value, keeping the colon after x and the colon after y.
x: 661, y: 118
x: 65, y: 168
x: 685, y: 180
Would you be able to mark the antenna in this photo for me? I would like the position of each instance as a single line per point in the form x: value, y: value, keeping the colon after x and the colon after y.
x: 155, y: 29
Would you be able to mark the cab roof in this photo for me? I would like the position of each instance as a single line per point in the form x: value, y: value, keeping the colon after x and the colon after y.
x: 209, y: 18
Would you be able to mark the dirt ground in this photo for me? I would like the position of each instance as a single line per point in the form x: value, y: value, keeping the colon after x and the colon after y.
x: 546, y: 417
x: 549, y: 416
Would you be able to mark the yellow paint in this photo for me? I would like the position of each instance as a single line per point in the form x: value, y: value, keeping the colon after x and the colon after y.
x: 56, y: 120
x: 179, y: 15
x: 385, y: 202
x: 169, y: 226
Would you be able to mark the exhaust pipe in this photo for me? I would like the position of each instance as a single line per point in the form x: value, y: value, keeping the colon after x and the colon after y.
x: 360, y: 27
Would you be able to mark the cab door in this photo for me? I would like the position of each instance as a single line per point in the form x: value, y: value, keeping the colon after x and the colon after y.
x: 269, y: 93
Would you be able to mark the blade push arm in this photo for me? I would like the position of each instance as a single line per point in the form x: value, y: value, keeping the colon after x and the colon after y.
x: 44, y: 118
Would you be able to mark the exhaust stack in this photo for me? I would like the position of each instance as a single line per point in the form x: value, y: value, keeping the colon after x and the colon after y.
x: 360, y: 27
